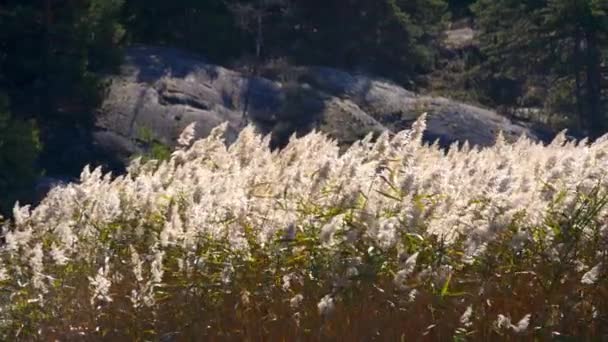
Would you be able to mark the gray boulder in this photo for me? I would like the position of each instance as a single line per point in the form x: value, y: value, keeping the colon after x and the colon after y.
x: 396, y: 108
x: 161, y: 90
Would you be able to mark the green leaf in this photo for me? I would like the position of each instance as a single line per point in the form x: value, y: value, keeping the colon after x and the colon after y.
x: 446, y: 286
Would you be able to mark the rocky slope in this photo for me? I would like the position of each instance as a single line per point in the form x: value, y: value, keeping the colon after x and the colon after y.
x: 162, y: 90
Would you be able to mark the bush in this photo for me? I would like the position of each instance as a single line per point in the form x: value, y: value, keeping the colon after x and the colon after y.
x: 392, y: 240
x: 19, y: 148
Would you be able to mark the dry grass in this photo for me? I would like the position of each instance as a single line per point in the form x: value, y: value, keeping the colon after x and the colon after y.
x: 245, y: 244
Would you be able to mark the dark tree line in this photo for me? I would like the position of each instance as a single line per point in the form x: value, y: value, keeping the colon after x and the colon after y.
x: 388, y: 36
x: 51, y: 55
x: 557, y: 46
x: 546, y: 54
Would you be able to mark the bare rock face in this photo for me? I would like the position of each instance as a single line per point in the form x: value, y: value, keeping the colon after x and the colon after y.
x: 162, y: 90
x: 396, y: 108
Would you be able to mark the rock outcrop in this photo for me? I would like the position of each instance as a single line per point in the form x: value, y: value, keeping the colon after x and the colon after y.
x: 162, y: 90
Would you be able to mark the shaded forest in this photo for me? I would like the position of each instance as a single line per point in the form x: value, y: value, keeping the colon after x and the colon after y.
x: 539, y: 60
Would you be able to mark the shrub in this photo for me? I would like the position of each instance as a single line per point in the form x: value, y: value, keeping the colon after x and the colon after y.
x: 19, y: 148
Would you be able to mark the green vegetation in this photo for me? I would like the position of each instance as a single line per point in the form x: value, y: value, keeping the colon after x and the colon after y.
x: 153, y: 149
x: 51, y: 54
x: 243, y: 243
x: 541, y: 60
x: 278, y: 291
x: 205, y: 26
x: 393, y: 240
x: 546, y: 54
x: 19, y: 148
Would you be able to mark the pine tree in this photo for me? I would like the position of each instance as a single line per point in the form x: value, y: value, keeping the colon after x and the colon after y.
x: 54, y: 53
x: 397, y: 38
x: 556, y: 41
x: 54, y: 50
x: 460, y: 8
x: 204, y: 26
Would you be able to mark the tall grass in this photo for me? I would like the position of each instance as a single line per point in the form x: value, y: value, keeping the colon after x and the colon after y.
x: 391, y: 240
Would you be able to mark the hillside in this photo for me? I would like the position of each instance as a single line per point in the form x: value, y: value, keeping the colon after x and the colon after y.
x: 160, y: 91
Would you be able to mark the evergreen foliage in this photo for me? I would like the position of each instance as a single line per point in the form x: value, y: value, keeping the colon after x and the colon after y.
x: 52, y: 56
x: 19, y: 147
x: 390, y: 37
x: 552, y: 44
x: 207, y: 27
x: 53, y: 51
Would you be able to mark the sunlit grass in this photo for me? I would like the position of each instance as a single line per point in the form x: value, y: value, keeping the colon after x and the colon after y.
x: 246, y: 244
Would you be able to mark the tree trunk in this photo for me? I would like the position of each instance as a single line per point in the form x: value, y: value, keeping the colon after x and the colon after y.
x: 594, y: 89
x: 580, y: 122
x: 48, y: 14
x: 259, y: 36
x: 46, y: 98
